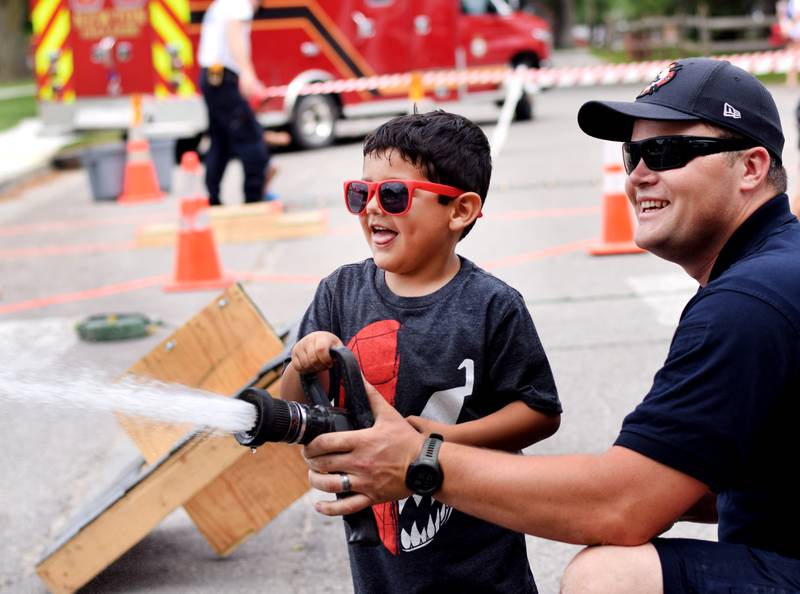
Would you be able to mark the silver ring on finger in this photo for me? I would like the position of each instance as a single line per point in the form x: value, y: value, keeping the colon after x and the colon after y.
x: 346, y: 487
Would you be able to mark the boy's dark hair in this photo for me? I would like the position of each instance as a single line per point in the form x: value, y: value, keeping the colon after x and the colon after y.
x: 447, y: 148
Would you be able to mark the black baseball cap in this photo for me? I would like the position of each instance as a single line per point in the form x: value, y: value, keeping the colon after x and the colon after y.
x: 694, y: 89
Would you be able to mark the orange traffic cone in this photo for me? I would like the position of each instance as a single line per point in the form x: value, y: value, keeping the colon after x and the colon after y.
x: 140, y: 181
x: 190, y: 180
x: 196, y: 262
x: 617, y: 232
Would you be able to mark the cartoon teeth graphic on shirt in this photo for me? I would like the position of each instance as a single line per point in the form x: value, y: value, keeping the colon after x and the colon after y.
x: 445, y: 407
x: 425, y: 506
x: 413, y: 522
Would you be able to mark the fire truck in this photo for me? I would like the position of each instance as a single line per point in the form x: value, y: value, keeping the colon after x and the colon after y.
x: 91, y: 56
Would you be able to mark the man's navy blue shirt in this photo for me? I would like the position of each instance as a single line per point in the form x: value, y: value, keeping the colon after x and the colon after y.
x: 724, y: 408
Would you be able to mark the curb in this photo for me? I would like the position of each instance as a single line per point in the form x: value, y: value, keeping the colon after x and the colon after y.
x: 26, y: 154
x: 13, y: 181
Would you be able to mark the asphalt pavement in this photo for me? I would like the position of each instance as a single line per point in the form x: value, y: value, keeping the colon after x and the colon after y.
x: 605, y: 323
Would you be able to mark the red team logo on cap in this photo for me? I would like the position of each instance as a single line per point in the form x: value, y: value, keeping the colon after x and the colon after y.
x: 661, y: 79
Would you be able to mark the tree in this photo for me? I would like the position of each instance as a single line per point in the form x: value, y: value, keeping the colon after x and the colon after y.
x: 560, y: 13
x: 635, y: 9
x: 14, y: 34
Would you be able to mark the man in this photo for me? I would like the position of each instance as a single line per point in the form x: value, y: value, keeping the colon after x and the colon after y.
x: 227, y: 78
x: 714, y: 437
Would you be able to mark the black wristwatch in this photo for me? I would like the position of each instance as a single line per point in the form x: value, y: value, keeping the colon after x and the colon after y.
x: 424, y: 475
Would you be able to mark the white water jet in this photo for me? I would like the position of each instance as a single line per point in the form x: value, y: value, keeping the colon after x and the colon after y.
x: 88, y: 389
x: 36, y: 372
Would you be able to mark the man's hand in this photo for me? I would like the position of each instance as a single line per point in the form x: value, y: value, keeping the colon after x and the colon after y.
x: 375, y: 460
x: 250, y: 86
x: 312, y: 353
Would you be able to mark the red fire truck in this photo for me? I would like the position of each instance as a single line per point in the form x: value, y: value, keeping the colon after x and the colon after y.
x: 91, y: 55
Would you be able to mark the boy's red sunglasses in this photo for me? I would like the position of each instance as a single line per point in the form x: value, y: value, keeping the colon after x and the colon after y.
x: 394, y: 195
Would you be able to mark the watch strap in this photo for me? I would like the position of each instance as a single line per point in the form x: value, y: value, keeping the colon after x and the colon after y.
x: 430, y: 448
x: 427, y: 462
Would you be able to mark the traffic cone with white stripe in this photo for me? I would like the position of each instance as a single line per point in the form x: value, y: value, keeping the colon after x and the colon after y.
x: 617, y: 224
x: 140, y: 180
x: 197, y: 264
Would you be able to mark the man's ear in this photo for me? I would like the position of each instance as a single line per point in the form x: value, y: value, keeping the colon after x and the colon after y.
x: 756, y: 166
x: 465, y: 209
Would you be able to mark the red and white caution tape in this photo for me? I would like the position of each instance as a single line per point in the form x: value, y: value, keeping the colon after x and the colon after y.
x: 778, y: 62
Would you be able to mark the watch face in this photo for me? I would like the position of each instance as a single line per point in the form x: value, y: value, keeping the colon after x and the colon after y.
x: 424, y: 478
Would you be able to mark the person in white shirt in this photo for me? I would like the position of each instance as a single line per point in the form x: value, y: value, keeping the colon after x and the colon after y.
x: 227, y: 80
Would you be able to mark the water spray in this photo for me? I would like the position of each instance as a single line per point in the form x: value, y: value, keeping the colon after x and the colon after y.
x: 253, y: 415
x: 89, y: 389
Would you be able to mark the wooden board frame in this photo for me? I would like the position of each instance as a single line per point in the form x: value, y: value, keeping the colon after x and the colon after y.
x: 243, y: 223
x: 229, y: 492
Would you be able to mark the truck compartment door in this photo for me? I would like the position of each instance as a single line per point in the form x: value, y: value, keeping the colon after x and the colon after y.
x: 111, y: 42
x: 380, y: 31
x: 433, y: 34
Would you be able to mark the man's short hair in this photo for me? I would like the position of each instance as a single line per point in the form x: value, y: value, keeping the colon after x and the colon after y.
x: 776, y: 175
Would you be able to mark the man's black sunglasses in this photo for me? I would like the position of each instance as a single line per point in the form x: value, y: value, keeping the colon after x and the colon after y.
x: 673, y: 152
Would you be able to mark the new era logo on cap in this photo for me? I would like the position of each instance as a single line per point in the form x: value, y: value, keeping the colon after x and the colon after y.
x: 729, y: 111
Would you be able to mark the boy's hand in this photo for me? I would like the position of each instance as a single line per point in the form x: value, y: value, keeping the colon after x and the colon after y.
x: 312, y: 352
x: 426, y: 426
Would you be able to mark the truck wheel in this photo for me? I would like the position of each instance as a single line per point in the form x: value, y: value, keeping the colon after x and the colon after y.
x: 523, y: 112
x: 524, y: 109
x: 314, y: 121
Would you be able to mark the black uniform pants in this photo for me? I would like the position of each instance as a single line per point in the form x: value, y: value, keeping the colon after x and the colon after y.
x: 234, y: 133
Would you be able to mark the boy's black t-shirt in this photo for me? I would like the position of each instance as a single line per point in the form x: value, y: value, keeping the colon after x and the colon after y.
x: 458, y: 354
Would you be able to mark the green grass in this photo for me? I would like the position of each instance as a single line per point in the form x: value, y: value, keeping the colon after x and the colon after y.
x: 17, y: 82
x: 87, y: 139
x: 16, y: 109
x: 655, y: 54
x: 772, y: 78
x: 620, y: 57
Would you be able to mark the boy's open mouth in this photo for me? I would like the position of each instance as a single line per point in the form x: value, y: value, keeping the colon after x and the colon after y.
x: 382, y: 235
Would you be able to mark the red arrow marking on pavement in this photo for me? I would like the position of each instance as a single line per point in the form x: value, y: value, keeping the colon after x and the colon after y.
x: 546, y: 213
x: 151, y: 281
x: 48, y: 226
x: 144, y: 283
x: 58, y: 250
x: 511, y: 215
x: 55, y: 250
x: 115, y: 289
x: 518, y: 259
x: 264, y: 277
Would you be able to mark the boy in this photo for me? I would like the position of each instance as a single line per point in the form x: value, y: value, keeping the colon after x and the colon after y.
x: 447, y: 344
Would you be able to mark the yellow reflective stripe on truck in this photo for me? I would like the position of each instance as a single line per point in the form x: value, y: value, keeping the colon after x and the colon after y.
x: 170, y: 34
x: 180, y: 8
x: 41, y: 13
x: 162, y: 62
x: 51, y: 43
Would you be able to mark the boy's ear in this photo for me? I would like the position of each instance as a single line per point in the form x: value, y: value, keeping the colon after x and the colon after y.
x: 466, y: 208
